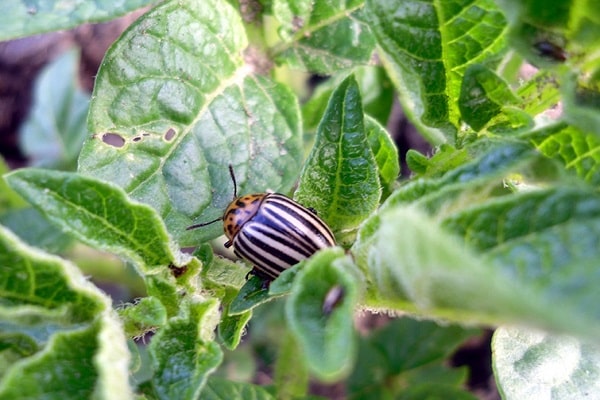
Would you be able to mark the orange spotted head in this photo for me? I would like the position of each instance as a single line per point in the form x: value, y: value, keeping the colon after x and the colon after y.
x: 240, y: 211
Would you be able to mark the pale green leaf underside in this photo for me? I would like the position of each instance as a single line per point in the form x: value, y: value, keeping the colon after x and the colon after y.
x: 533, y: 364
x: 177, y: 93
x: 25, y: 18
x: 61, y: 339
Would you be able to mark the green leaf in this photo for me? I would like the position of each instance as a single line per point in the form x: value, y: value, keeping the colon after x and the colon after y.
x: 407, y: 356
x: 8, y: 198
x: 184, y: 352
x: 100, y: 215
x: 534, y: 364
x: 539, y: 93
x: 26, y: 18
x: 232, y: 328
x: 582, y: 103
x: 291, y: 372
x: 53, y: 134
x: 483, y: 94
x: 385, y: 152
x: 323, y: 36
x: 421, y: 268
x: 376, y: 89
x: 524, y: 214
x: 494, y: 163
x: 178, y: 104
x: 426, y: 49
x: 444, y: 160
x: 254, y: 293
x: 60, y: 338
x: 326, y: 337
x: 144, y: 316
x: 340, y: 179
x: 221, y: 389
x: 565, y: 32
x: 35, y: 229
x: 575, y: 149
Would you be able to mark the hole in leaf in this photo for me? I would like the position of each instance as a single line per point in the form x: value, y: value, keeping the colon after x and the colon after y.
x: 170, y: 134
x: 113, y: 139
x: 136, y: 139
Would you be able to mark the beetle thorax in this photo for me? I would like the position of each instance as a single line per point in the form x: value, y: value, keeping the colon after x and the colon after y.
x: 240, y: 211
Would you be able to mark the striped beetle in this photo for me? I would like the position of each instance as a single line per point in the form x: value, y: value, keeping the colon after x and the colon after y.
x: 271, y: 231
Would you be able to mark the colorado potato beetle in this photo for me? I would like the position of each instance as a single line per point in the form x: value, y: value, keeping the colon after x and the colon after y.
x: 271, y: 231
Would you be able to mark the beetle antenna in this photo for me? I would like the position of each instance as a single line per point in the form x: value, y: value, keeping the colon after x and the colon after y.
x: 220, y: 218
x: 203, y: 224
x: 234, y: 181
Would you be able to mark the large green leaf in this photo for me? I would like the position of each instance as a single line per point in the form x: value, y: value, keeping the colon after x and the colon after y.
x: 220, y: 389
x: 174, y: 104
x: 323, y: 36
x: 60, y: 337
x: 99, y: 214
x: 25, y: 18
x: 426, y: 48
x: 424, y: 269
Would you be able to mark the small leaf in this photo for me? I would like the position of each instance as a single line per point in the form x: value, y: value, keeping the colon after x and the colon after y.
x: 385, y: 152
x: 231, y: 327
x: 483, y: 94
x: 142, y: 317
x: 327, y: 339
x: 24, y: 18
x: 53, y: 134
x: 534, y: 364
x: 323, y: 36
x: 575, y: 149
x: 340, y: 179
x: 252, y: 294
x: 60, y: 337
x: 184, y: 352
x: 99, y: 214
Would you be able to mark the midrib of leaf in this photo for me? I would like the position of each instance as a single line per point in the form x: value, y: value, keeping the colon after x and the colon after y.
x: 304, y: 32
x: 236, y: 79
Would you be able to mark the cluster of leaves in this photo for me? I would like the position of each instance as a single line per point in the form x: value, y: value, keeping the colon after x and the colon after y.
x: 498, y: 227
